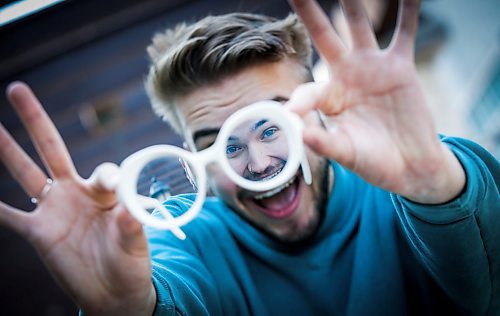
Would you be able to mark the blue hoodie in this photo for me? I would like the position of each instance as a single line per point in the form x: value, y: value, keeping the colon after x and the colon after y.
x: 376, y: 253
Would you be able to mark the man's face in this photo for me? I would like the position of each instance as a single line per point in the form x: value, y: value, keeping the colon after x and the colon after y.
x: 290, y: 213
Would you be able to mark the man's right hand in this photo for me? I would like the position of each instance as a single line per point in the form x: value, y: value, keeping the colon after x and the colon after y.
x: 92, y: 246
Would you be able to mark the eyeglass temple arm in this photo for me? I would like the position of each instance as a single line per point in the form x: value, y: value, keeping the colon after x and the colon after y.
x: 148, y: 202
x: 306, y: 169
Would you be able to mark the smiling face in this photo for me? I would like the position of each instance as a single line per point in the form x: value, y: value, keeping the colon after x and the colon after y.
x: 257, y: 151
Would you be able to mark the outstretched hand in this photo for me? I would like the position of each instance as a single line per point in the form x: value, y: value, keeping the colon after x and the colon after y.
x: 96, y: 251
x: 377, y: 120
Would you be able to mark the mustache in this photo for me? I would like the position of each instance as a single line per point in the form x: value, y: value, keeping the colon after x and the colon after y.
x: 270, y: 172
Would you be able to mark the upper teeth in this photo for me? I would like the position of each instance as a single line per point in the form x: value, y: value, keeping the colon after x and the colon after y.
x: 275, y: 190
x: 271, y: 176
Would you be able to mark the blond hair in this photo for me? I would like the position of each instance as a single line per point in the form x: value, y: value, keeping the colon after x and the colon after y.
x: 188, y: 57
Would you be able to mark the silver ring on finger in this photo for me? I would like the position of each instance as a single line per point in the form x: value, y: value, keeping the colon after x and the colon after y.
x: 46, y: 188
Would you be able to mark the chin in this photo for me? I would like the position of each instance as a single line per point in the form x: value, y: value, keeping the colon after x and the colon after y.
x: 291, y: 213
x: 287, y: 214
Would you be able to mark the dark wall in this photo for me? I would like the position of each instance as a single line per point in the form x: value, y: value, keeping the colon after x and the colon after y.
x: 79, y: 57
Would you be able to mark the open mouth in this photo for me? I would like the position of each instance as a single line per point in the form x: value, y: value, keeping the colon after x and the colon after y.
x: 280, y: 202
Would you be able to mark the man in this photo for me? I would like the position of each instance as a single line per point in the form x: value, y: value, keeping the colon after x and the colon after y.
x: 396, y: 220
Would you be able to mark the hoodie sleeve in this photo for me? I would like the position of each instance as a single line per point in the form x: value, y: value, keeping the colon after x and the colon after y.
x: 459, y: 242
x: 183, y: 284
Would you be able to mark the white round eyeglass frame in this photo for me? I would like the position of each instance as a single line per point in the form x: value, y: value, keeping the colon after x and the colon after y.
x: 290, y: 124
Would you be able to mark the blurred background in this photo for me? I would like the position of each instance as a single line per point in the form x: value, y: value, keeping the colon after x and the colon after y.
x: 86, y: 61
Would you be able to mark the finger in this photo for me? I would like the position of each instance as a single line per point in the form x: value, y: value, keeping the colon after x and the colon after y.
x: 105, y: 177
x: 325, y: 96
x: 103, y: 183
x: 26, y: 172
x: 130, y: 232
x: 360, y: 28
x: 44, y: 134
x: 403, y: 41
x: 15, y: 219
x: 329, y: 142
x: 324, y: 37
x: 305, y: 97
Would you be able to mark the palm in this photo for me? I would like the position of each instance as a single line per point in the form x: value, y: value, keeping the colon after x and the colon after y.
x: 383, y: 116
x: 88, y: 241
x: 97, y: 265
x: 378, y: 121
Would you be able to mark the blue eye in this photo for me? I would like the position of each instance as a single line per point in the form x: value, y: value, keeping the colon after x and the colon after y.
x: 268, y: 133
x: 232, y: 150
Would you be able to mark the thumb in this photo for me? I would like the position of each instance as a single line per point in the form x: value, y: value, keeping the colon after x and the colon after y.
x: 105, y: 177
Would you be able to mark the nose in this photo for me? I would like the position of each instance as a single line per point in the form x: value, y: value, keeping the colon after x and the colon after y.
x: 258, y: 160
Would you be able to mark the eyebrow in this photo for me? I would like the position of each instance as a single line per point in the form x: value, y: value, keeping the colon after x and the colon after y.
x: 214, y: 131
x: 252, y: 129
x: 257, y: 125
